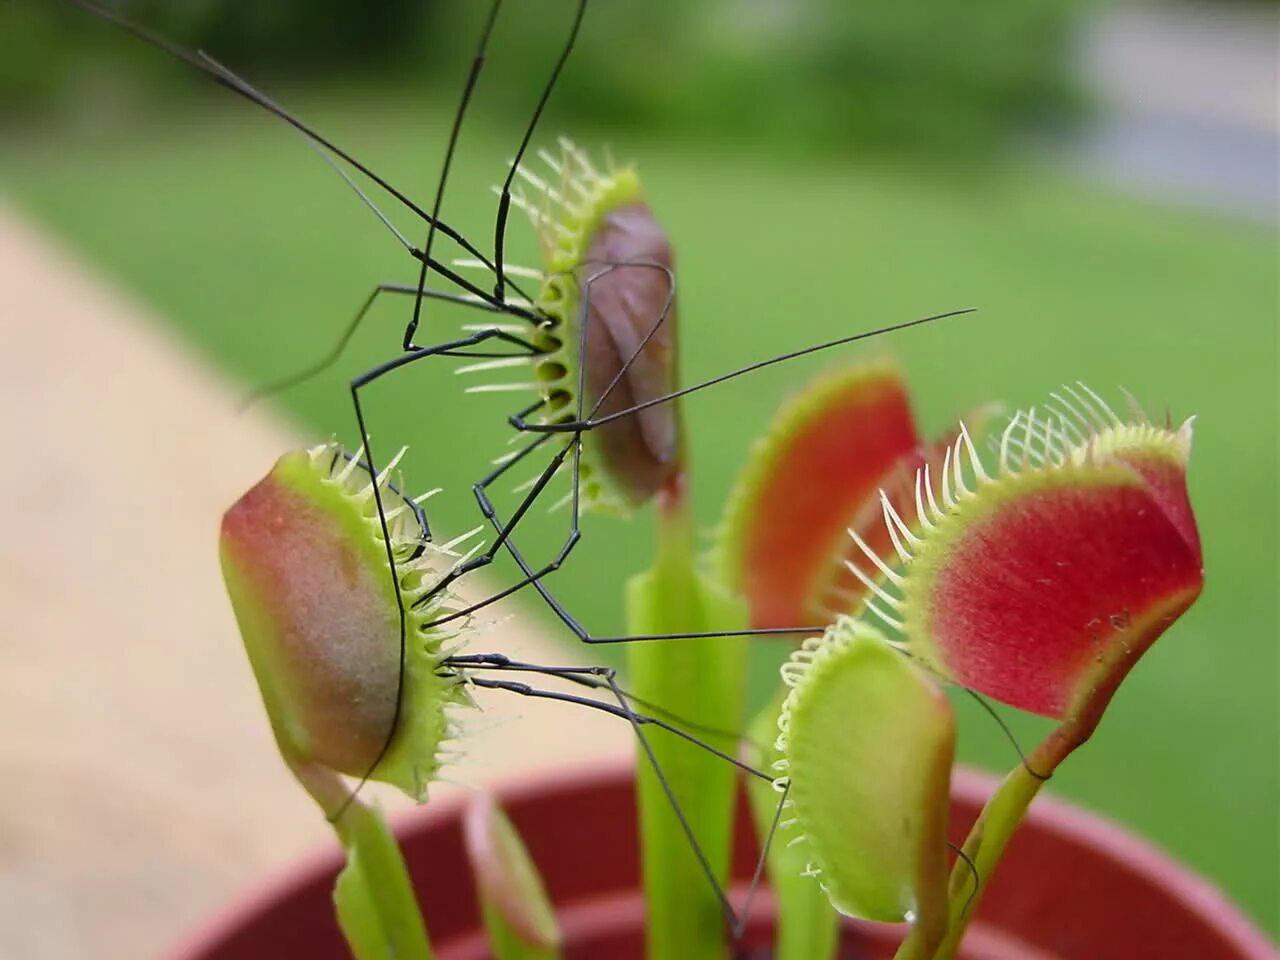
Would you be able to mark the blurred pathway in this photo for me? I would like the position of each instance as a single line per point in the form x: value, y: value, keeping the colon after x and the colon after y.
x: 1189, y: 103
x: 141, y: 787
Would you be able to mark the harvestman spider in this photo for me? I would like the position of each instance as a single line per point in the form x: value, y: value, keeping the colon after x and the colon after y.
x: 583, y: 420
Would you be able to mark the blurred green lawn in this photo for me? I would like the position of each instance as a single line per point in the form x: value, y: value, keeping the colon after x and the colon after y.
x: 243, y: 240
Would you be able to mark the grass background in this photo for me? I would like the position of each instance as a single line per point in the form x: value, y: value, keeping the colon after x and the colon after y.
x: 242, y: 239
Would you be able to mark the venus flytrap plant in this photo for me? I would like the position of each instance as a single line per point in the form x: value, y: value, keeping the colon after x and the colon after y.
x: 1041, y: 581
x: 347, y: 663
x: 1038, y: 580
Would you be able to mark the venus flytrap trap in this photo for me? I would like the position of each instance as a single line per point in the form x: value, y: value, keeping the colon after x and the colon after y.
x: 819, y: 464
x: 348, y: 663
x: 606, y: 337
x: 349, y: 667
x: 868, y: 795
x: 816, y: 472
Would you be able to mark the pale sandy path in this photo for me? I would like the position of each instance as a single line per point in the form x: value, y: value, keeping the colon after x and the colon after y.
x: 139, y: 787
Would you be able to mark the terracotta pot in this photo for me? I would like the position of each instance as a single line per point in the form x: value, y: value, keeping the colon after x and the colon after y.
x: 1071, y: 887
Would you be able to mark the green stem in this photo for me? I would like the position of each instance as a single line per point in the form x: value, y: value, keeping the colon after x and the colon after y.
x: 984, y: 846
x: 1000, y: 818
x: 701, y: 681
x: 377, y: 909
x: 376, y: 906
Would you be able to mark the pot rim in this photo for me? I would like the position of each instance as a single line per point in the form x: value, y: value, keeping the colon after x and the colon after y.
x: 1048, y: 814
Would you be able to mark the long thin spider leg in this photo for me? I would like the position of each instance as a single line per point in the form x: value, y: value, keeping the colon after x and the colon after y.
x: 594, y: 682
x: 590, y: 677
x: 525, y: 690
x: 345, y: 339
x: 240, y: 87
x: 610, y: 266
x: 973, y: 872
x: 504, y: 199
x: 490, y: 513
x: 584, y: 425
x: 477, y: 63
x: 225, y: 77
x: 419, y: 512
x: 454, y: 277
x: 356, y: 386
x: 504, y: 531
x: 729, y: 915
x: 600, y: 677
x: 534, y: 578
x: 500, y: 661
x: 758, y: 873
x: 433, y: 219
x: 506, y: 464
x: 1004, y: 727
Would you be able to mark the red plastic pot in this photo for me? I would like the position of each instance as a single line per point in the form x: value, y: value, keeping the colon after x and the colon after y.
x: 1071, y: 887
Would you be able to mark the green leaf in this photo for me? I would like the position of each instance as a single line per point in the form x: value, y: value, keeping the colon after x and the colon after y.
x: 808, y: 926
x: 376, y: 906
x: 517, y: 913
x: 868, y: 739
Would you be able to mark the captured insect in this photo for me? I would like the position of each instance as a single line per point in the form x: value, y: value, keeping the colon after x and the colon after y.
x: 596, y: 337
x: 616, y: 254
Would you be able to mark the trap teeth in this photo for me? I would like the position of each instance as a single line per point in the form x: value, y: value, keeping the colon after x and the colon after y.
x: 1041, y: 582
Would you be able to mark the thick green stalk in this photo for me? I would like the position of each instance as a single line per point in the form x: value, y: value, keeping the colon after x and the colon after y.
x: 701, y: 681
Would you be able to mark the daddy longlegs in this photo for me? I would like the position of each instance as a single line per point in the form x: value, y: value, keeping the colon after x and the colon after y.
x: 519, y: 345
